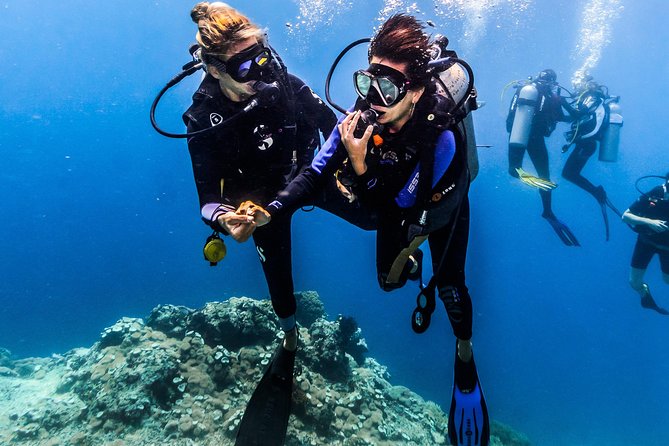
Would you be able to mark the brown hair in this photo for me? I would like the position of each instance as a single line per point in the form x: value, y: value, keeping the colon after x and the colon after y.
x: 401, y: 39
x: 219, y: 26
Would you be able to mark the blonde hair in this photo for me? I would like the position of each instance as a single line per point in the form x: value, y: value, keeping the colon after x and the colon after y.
x: 219, y: 26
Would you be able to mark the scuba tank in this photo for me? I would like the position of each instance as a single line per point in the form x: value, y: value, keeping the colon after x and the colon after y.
x: 472, y: 151
x: 525, y: 104
x: 456, y: 83
x: 608, y: 147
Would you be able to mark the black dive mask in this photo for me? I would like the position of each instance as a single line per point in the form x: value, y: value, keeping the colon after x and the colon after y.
x: 251, y: 64
x: 381, y: 85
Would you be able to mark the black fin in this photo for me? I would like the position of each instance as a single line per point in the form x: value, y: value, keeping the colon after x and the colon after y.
x: 562, y: 231
x: 265, y: 419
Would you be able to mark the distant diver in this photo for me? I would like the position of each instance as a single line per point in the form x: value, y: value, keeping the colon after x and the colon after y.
x: 649, y: 217
x: 597, y: 121
x: 535, y: 109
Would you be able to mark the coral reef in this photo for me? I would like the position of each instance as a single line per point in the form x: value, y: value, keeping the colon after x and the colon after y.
x: 184, y: 377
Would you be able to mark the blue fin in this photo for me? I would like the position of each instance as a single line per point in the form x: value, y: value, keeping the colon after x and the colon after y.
x: 468, y: 422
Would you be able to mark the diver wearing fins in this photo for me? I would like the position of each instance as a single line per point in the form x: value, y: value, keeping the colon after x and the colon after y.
x: 535, y: 109
x: 402, y: 153
x: 649, y: 217
x: 596, y: 122
x: 251, y: 128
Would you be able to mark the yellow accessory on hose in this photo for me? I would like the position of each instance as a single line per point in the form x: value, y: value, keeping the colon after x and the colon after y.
x: 214, y: 249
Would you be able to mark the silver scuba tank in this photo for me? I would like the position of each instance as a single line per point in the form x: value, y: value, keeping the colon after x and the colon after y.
x: 456, y: 81
x: 608, y: 147
x: 526, y: 108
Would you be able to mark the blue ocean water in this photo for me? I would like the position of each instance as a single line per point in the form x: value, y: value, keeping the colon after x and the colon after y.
x: 100, y: 215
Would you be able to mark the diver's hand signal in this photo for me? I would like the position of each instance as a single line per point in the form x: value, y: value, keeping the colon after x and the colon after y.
x: 355, y: 147
x: 258, y: 214
x: 240, y: 227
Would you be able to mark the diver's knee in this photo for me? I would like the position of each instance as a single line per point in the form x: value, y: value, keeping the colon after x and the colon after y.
x: 388, y: 286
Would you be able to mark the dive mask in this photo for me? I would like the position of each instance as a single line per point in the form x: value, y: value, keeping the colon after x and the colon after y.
x: 251, y: 64
x: 381, y: 85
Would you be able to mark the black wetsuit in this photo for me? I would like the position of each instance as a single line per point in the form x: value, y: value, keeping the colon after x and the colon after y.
x: 253, y: 159
x: 382, y: 193
x: 592, y: 117
x: 548, y: 113
x: 655, y: 205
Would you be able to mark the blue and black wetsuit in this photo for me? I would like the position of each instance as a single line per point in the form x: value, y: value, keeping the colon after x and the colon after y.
x: 654, y: 205
x: 252, y: 159
x: 400, y: 204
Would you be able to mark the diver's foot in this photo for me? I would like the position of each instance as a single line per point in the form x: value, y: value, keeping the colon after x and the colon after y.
x: 416, y: 262
x: 465, y: 350
x: 290, y: 340
x: 647, y: 301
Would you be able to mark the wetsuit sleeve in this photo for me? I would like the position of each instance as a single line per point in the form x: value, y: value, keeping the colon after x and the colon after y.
x: 207, y: 167
x: 303, y: 187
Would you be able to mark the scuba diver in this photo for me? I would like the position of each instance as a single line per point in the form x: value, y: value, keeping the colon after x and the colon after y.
x: 649, y: 217
x: 535, y: 109
x: 402, y: 152
x: 597, y: 119
x: 251, y: 128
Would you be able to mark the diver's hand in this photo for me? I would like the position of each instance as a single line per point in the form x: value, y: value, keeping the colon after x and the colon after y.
x: 240, y: 227
x: 657, y: 225
x: 260, y: 216
x: 356, y: 147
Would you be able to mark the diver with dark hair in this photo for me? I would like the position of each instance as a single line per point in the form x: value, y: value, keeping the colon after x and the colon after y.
x: 251, y: 128
x: 596, y: 122
x: 403, y: 154
x: 649, y: 217
x: 535, y: 109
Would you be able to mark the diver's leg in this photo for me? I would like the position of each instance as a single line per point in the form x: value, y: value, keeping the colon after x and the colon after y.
x: 640, y: 260
x: 516, y: 154
x: 468, y: 420
x: 641, y: 257
x: 538, y: 152
x: 273, y: 243
x: 664, y: 264
x: 451, y: 277
x: 575, y: 164
x: 393, y: 263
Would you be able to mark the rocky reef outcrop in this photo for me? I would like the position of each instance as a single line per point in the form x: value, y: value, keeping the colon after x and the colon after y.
x: 183, y: 377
